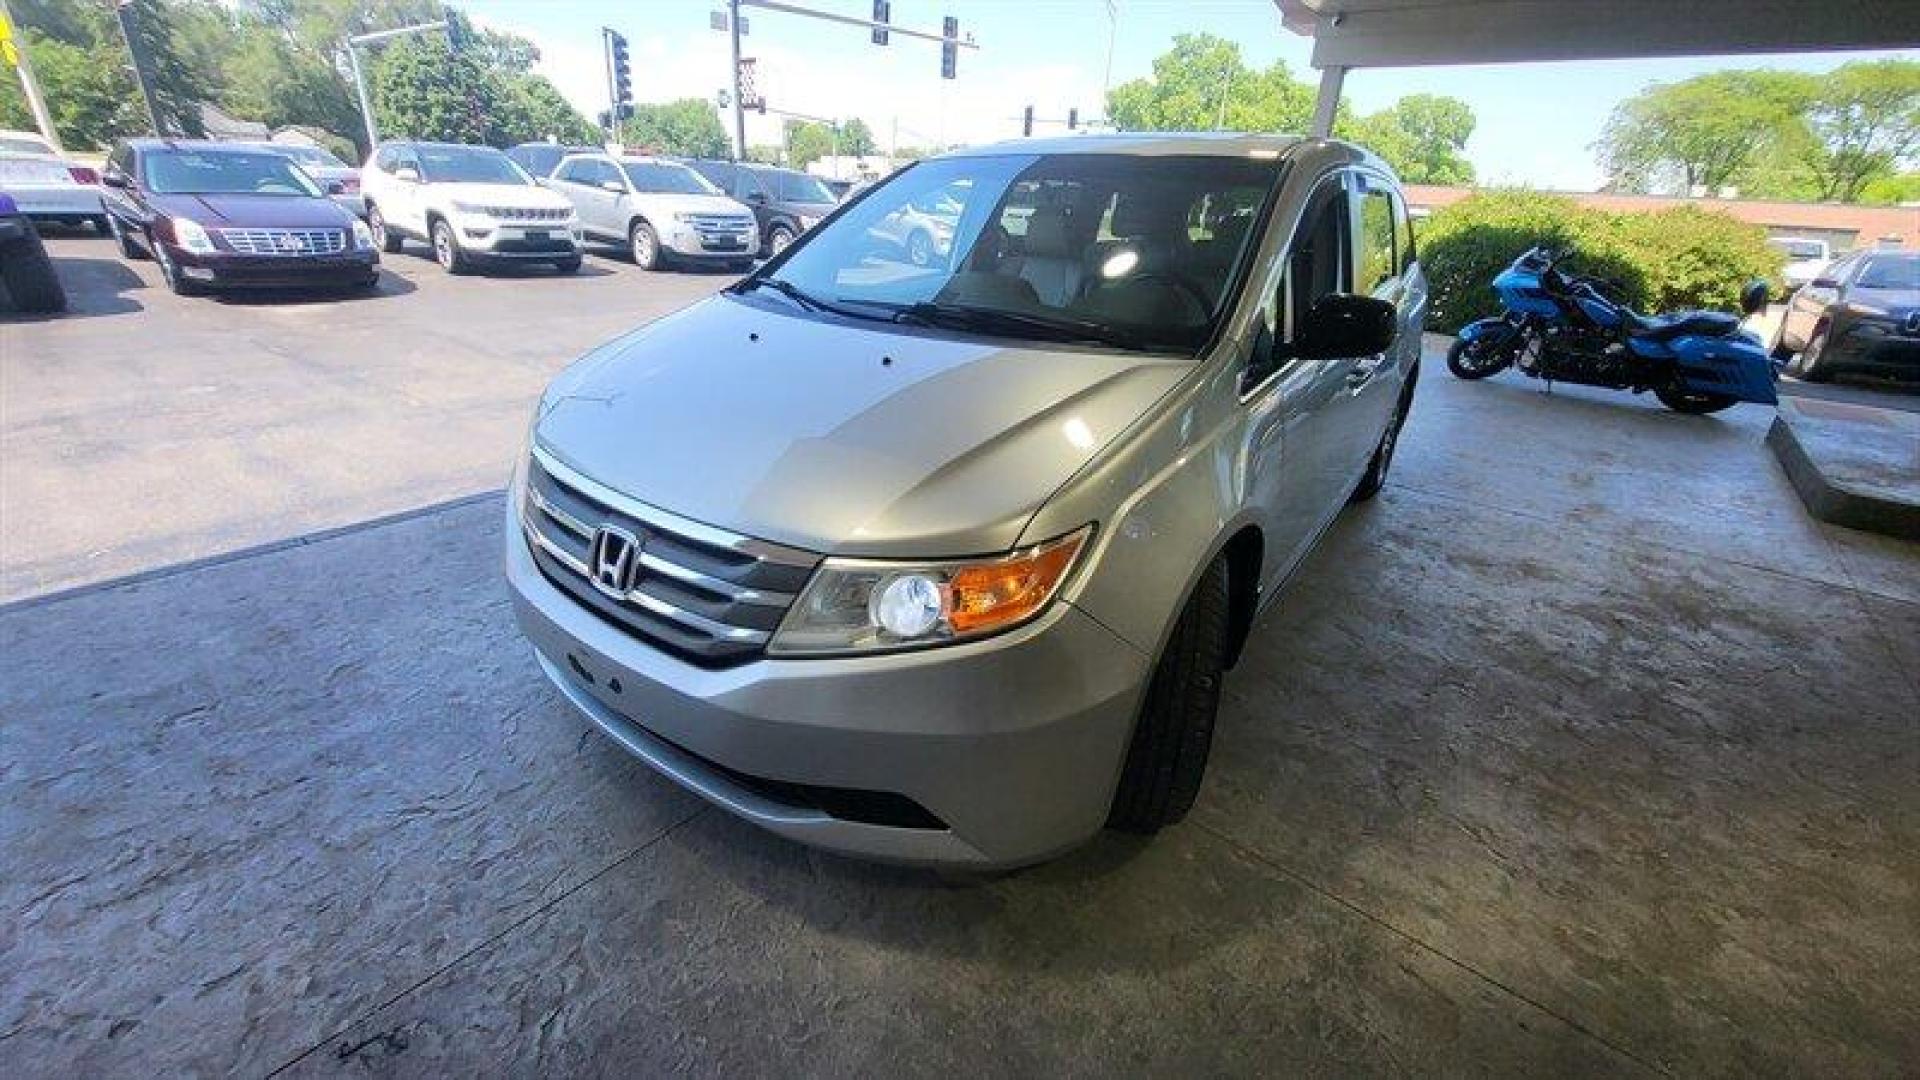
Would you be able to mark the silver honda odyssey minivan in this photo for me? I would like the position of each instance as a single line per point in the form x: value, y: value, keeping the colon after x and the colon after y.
x: 939, y: 556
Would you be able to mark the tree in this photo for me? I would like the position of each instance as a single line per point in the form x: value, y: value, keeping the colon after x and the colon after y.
x: 422, y: 89
x: 1865, y: 118
x: 1423, y: 136
x: 87, y: 92
x: 1703, y: 132
x: 856, y: 138
x: 807, y: 142
x: 688, y: 127
x: 534, y: 111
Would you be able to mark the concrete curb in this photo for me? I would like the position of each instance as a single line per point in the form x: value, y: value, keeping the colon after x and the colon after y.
x: 1837, y: 502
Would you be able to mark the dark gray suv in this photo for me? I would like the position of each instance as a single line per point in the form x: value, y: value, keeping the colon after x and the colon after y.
x: 785, y: 202
x: 943, y: 561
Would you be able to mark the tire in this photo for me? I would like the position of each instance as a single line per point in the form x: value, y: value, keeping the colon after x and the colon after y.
x: 1473, y: 365
x: 1174, y: 732
x: 643, y: 245
x: 124, y: 241
x: 919, y: 248
x: 29, y: 276
x: 778, y: 240
x: 170, y: 272
x: 1690, y: 402
x: 446, y: 249
x: 1808, y: 368
x: 568, y: 266
x: 384, y: 238
x: 1382, y: 460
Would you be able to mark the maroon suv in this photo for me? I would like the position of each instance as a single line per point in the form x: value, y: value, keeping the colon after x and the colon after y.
x: 215, y: 215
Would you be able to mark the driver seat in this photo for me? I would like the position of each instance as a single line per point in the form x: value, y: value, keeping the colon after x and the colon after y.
x: 1681, y: 324
x: 1050, y: 261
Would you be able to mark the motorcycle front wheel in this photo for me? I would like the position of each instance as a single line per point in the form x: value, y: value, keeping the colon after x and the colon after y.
x: 1691, y: 402
x: 1477, y: 358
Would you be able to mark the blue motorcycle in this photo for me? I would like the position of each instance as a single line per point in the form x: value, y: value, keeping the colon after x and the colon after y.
x: 1563, y: 327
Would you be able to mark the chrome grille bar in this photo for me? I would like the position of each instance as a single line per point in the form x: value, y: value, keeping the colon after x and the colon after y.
x: 286, y: 242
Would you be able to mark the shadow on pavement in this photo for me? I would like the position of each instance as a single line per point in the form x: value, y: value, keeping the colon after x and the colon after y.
x: 94, y: 287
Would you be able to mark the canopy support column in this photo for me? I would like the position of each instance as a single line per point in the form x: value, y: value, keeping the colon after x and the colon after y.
x: 1327, y: 104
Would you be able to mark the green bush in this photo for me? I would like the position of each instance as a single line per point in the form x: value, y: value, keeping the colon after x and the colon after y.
x: 1679, y: 258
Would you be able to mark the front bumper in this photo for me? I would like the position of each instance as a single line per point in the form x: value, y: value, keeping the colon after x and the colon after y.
x: 228, y: 270
x: 1876, y: 346
x: 494, y: 239
x: 1012, y: 744
x: 687, y: 242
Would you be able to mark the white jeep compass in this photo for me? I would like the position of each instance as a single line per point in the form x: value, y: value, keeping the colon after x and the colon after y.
x: 471, y: 203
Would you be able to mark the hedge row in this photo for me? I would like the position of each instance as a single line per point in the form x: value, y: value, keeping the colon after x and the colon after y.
x: 1664, y: 260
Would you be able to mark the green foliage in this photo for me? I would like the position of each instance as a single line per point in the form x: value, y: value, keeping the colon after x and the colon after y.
x: 856, y: 138
x: 91, y: 99
x: 1203, y: 84
x: 422, y: 89
x: 1892, y: 190
x: 1665, y: 260
x: 808, y: 142
x: 689, y: 127
x: 1774, y: 134
x: 533, y: 110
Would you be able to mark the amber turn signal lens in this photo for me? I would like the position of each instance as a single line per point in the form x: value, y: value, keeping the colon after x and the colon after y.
x: 995, y: 594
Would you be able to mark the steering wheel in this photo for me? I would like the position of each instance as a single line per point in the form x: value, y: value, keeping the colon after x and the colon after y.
x: 1187, y: 290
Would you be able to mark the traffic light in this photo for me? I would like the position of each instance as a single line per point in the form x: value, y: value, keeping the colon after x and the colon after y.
x: 1073, y: 119
x: 622, y: 74
x: 456, y: 30
x: 882, y: 12
x: 949, y: 49
x: 1026, y: 122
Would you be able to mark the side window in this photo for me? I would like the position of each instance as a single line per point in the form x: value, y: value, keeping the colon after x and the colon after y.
x: 384, y: 159
x: 121, y: 160
x: 1375, y: 261
x: 1317, y: 257
x: 745, y: 183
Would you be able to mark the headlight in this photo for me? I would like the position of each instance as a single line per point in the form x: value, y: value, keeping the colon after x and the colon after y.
x: 869, y: 605
x: 192, y: 237
x: 362, y: 236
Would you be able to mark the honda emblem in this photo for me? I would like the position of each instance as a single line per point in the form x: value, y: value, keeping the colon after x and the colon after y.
x: 611, y: 561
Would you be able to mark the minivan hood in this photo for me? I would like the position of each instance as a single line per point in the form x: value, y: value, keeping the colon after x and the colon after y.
x: 837, y: 438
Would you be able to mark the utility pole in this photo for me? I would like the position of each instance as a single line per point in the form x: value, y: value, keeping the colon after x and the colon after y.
x: 455, y: 39
x: 123, y: 11
x: 739, y: 107
x: 16, y: 52
x: 366, y: 105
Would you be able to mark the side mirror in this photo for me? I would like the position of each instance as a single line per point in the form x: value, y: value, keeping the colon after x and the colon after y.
x: 114, y: 178
x: 335, y: 187
x: 614, y: 186
x: 1825, y: 283
x: 408, y: 173
x: 1344, y: 324
x: 1753, y: 297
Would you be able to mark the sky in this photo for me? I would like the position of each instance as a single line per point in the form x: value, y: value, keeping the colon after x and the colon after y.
x: 1536, y: 122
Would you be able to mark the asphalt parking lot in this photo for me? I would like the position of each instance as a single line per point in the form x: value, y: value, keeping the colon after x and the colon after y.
x: 1582, y: 751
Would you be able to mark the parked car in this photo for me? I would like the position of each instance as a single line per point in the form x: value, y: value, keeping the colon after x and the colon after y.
x: 25, y: 269
x: 945, y: 563
x: 1805, y: 258
x: 1862, y: 314
x: 785, y: 202
x: 328, y: 170
x: 44, y: 188
x: 661, y: 210
x: 472, y: 204
x: 31, y: 142
x: 541, y: 158
x: 216, y: 215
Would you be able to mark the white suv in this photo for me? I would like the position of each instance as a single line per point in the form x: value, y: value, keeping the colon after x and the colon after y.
x: 471, y: 203
x: 662, y: 210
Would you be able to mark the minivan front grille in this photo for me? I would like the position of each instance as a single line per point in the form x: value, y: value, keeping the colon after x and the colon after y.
x: 706, y: 595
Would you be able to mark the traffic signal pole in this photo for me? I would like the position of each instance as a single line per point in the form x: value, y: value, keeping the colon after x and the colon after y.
x: 739, y: 107
x: 360, y: 79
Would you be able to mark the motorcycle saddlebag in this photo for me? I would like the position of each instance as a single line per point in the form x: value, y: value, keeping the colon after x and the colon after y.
x: 1734, y: 365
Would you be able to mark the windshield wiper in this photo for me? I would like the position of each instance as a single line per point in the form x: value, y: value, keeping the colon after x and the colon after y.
x: 802, y: 297
x: 1001, y: 321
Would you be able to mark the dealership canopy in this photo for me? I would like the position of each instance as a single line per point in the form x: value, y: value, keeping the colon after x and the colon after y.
x: 1402, y: 33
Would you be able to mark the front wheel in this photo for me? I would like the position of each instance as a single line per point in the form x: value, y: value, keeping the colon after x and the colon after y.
x: 176, y: 282
x: 1808, y: 368
x: 1476, y: 358
x: 644, y: 244
x: 385, y: 238
x: 1376, y: 474
x: 123, y: 240
x: 1690, y: 402
x: 446, y: 249
x: 1174, y: 732
x: 778, y: 239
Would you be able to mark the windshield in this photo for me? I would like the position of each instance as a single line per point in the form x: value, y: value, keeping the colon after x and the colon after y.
x: 667, y: 178
x: 1125, y: 249
x: 468, y: 165
x: 799, y: 187
x: 224, y: 172
x: 1890, y: 272
x: 311, y: 155
x: 13, y: 144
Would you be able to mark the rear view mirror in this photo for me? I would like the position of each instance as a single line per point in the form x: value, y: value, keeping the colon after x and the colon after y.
x: 1343, y: 324
x: 408, y: 173
x: 1753, y: 297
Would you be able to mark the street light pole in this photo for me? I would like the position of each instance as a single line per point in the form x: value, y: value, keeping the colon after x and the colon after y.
x: 28, y: 84
x: 123, y: 12
x: 739, y: 108
x: 360, y: 88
